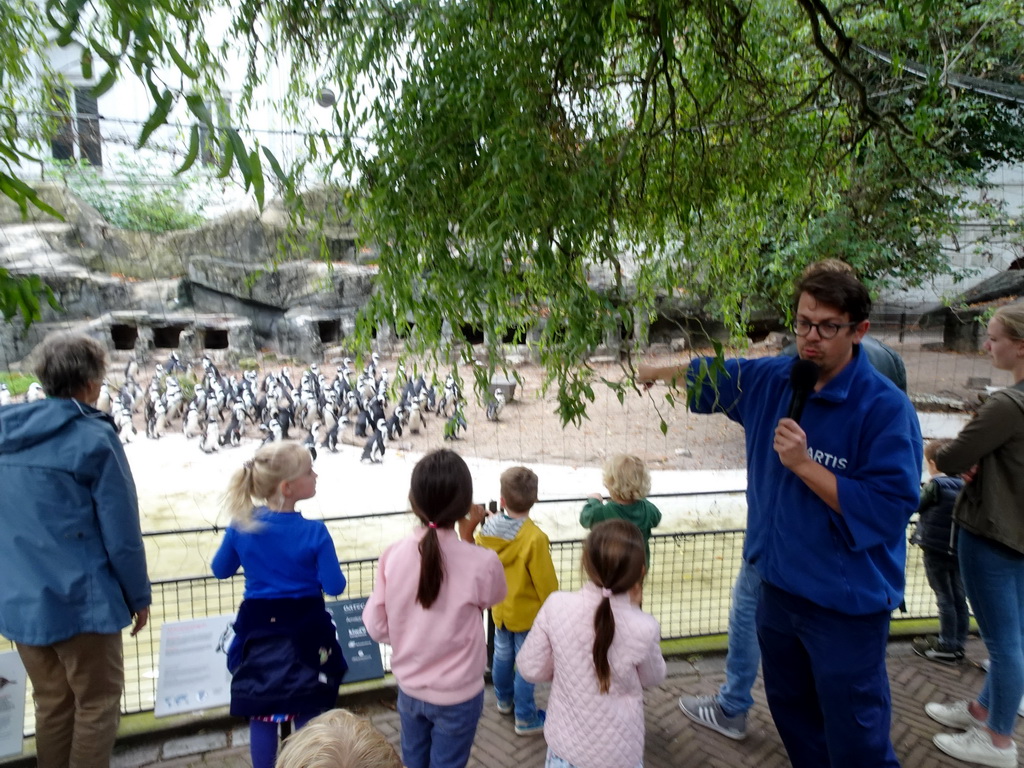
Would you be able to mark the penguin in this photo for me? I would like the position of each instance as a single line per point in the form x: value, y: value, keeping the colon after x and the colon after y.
x: 173, y: 363
x: 5, y: 395
x: 103, y: 400
x: 190, y: 424
x: 123, y: 422
x: 330, y: 441
x: 454, y: 424
x: 450, y: 397
x: 393, y: 426
x: 131, y: 369
x: 233, y: 434
x: 35, y: 392
x: 417, y: 420
x: 273, y: 431
x: 209, y: 368
x: 373, y: 451
x: 210, y: 442
x: 494, y: 407
x: 156, y: 422
x: 313, y: 438
x: 286, y: 418
x: 362, y: 420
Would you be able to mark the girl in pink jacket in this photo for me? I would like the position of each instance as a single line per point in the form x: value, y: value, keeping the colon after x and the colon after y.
x: 599, y: 650
x: 428, y: 603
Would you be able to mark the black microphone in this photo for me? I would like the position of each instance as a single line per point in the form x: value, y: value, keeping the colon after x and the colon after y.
x: 802, y: 378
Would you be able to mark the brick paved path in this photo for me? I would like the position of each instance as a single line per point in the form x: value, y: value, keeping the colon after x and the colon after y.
x: 672, y: 740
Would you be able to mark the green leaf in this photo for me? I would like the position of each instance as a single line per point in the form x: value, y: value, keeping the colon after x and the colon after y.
x: 241, y: 156
x: 86, y: 63
x: 179, y: 61
x: 257, y: 177
x: 157, y: 118
x: 275, y: 166
x: 227, y: 158
x: 110, y: 59
x: 198, y: 108
x: 105, y: 83
x: 193, y: 150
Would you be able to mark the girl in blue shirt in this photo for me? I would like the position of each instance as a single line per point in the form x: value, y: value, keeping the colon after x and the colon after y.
x: 285, y: 660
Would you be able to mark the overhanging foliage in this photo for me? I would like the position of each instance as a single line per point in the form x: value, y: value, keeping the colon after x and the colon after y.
x: 507, y: 156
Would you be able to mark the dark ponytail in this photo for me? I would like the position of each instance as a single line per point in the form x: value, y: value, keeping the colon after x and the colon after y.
x: 441, y: 492
x: 604, y: 633
x: 613, y: 557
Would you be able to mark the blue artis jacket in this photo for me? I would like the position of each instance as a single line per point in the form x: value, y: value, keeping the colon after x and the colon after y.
x: 71, y: 553
x: 865, y: 431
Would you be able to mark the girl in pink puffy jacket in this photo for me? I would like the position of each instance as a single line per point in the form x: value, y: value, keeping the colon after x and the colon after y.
x: 599, y: 650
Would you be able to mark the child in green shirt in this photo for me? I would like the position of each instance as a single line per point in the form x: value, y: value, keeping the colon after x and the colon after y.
x: 628, y: 482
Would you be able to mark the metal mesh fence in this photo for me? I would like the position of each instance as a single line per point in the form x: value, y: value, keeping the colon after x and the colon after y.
x: 687, y: 590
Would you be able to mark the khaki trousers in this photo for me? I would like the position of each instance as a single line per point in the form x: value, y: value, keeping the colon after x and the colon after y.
x: 77, y: 685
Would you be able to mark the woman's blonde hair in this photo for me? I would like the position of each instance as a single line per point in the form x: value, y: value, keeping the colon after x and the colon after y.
x: 1012, y: 318
x: 626, y: 477
x: 260, y: 478
x: 338, y: 739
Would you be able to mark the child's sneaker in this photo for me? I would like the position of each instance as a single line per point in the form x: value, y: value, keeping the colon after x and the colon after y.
x: 529, y: 729
x: 930, y: 648
x: 505, y: 707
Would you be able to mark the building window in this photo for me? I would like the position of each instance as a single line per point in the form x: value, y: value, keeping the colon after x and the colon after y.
x: 77, y: 126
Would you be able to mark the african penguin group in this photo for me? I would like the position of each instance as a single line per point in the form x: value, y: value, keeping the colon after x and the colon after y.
x: 351, y: 406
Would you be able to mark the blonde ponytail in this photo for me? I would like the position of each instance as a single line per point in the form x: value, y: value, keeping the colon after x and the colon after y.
x: 259, y: 479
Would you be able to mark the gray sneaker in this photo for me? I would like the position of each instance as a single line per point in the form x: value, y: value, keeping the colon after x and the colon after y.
x: 706, y: 711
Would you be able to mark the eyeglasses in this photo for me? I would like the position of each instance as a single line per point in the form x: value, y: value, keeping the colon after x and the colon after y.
x: 825, y: 330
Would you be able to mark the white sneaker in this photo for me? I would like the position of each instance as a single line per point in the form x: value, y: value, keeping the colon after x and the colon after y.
x: 975, y: 746
x: 955, y: 715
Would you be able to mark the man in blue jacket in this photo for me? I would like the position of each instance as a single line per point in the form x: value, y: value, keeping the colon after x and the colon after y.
x: 72, y: 560
x: 828, y: 503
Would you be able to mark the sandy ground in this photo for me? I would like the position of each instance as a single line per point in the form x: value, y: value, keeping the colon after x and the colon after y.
x: 179, y: 486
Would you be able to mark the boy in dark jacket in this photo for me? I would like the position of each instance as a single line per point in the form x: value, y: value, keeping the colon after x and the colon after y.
x: 936, y: 535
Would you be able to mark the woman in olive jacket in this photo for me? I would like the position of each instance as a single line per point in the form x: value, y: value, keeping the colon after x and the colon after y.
x: 990, y: 512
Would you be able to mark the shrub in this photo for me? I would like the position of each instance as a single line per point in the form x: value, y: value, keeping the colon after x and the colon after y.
x: 138, y: 201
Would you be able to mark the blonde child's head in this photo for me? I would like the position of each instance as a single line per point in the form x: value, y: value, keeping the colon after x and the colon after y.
x: 261, y: 478
x: 614, y: 559
x: 626, y: 478
x: 338, y: 739
x: 440, y: 493
x: 518, y: 489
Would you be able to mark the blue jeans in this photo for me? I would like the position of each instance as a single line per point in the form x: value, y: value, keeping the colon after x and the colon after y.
x: 744, y: 655
x: 943, y: 572
x: 435, y: 736
x: 826, y: 682
x: 994, y: 579
x: 509, y: 685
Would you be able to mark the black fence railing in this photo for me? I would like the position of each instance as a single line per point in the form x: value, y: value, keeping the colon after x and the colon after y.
x: 687, y: 590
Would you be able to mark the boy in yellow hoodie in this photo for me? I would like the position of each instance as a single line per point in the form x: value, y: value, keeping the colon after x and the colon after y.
x: 525, y: 552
